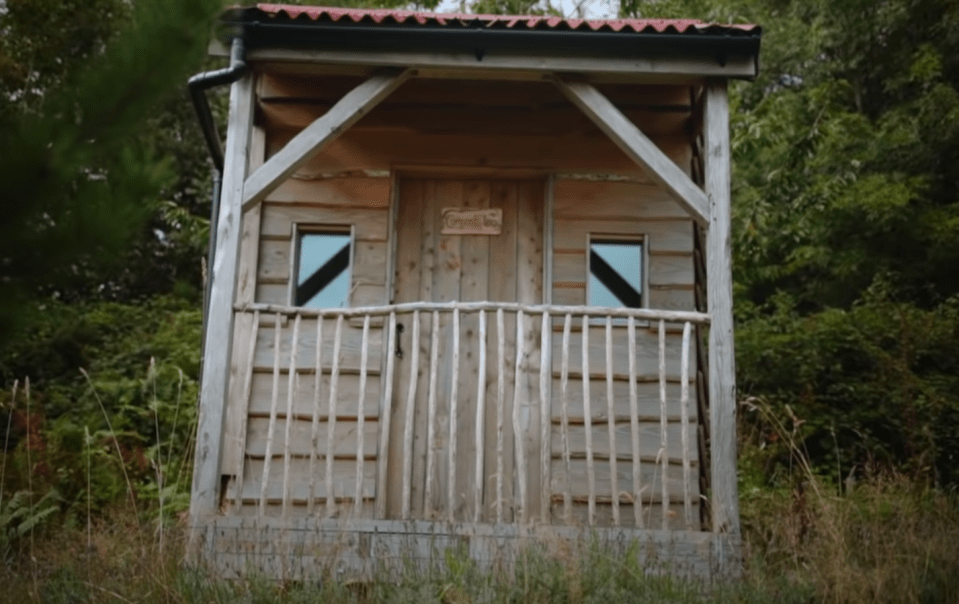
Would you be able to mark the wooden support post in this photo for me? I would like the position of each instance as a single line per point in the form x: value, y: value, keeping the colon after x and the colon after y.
x: 637, y: 146
x: 346, y: 112
x: 722, y: 365
x: 219, y: 330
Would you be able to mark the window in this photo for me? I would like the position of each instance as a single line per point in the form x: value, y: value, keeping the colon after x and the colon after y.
x: 616, y: 272
x: 322, y: 268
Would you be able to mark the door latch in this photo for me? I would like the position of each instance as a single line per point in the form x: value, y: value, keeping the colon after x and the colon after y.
x: 399, y: 344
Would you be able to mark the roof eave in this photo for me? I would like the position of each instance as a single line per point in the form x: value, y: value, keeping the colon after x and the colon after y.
x: 741, y: 48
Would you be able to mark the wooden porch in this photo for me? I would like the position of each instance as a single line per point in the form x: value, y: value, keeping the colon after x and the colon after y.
x: 511, y: 425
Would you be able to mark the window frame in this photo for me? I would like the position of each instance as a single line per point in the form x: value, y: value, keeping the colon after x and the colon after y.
x: 301, y: 229
x: 640, y: 238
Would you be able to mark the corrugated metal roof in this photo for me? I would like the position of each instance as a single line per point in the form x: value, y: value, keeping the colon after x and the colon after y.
x: 517, y: 22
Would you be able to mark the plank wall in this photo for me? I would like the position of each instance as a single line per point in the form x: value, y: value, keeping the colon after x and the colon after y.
x: 446, y: 126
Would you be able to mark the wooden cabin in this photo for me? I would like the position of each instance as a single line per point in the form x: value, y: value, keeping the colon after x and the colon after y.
x: 471, y: 288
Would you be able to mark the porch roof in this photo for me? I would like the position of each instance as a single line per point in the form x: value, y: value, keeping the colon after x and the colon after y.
x: 272, y: 25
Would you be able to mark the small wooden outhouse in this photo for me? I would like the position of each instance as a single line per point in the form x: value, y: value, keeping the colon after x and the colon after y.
x: 471, y: 288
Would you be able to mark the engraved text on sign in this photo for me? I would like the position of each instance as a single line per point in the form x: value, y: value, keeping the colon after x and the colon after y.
x: 465, y: 221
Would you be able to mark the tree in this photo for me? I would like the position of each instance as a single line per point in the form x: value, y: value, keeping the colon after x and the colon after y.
x: 846, y: 223
x: 78, y: 176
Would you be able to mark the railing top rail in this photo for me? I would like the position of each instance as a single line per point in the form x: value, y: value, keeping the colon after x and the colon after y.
x: 644, y: 314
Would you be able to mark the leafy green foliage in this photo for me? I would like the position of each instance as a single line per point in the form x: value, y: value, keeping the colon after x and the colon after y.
x: 84, y: 176
x: 122, y: 435
x: 846, y: 226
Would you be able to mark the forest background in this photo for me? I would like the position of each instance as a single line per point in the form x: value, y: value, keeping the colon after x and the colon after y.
x: 846, y: 249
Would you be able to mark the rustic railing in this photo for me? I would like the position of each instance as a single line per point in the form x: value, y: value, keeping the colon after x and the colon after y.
x: 530, y: 361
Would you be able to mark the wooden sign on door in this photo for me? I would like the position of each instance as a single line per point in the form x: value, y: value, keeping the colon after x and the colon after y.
x: 466, y: 221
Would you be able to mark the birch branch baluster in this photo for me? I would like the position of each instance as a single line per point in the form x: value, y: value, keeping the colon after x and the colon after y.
x: 386, y: 412
x: 519, y: 445
x: 684, y: 415
x: 480, y: 421
x: 315, y: 425
x: 247, y: 394
x: 360, y: 416
x: 663, y: 443
x: 408, y: 427
x: 501, y: 411
x: 611, y: 420
x: 454, y: 394
x: 564, y: 394
x: 331, y: 417
x: 290, y: 395
x: 274, y: 401
x: 431, y: 416
x: 545, y: 416
x: 634, y: 424
x: 588, y: 424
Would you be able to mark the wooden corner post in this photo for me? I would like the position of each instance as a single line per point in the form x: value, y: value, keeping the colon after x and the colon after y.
x: 219, y: 326
x: 722, y: 365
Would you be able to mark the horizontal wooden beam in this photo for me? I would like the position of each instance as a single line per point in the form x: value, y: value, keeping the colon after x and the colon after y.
x: 637, y: 146
x: 521, y: 66
x: 346, y: 112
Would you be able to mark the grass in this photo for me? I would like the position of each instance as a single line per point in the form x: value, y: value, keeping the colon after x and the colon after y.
x: 888, y: 540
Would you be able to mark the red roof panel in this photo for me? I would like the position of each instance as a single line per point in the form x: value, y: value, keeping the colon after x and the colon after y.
x: 405, y: 17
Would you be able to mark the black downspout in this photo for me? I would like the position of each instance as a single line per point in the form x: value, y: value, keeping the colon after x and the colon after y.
x: 198, y: 85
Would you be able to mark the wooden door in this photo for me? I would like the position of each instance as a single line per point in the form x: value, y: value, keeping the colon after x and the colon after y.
x: 433, y: 266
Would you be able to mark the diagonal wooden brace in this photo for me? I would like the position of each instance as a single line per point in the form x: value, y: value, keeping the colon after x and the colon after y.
x: 315, y: 137
x: 637, y: 146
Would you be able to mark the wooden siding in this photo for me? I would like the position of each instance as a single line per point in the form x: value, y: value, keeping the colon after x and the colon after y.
x: 588, y: 207
x: 304, y: 548
x: 597, y: 190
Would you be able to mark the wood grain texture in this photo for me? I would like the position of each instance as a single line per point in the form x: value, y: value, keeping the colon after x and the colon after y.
x: 663, y: 270
x: 648, y: 438
x: 525, y: 64
x: 722, y: 367
x: 359, y: 151
x: 358, y: 191
x: 579, y: 199
x: 301, y: 548
x: 637, y: 146
x: 289, y: 89
x: 370, y: 223
x: 219, y: 328
x: 430, y: 117
x: 647, y: 400
x: 350, y: 350
x: 647, y: 352
x: 319, y: 133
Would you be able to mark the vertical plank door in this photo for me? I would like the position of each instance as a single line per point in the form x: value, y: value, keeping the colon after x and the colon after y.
x: 434, y: 454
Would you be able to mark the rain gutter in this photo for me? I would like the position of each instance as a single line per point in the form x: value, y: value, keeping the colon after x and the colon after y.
x: 198, y: 85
